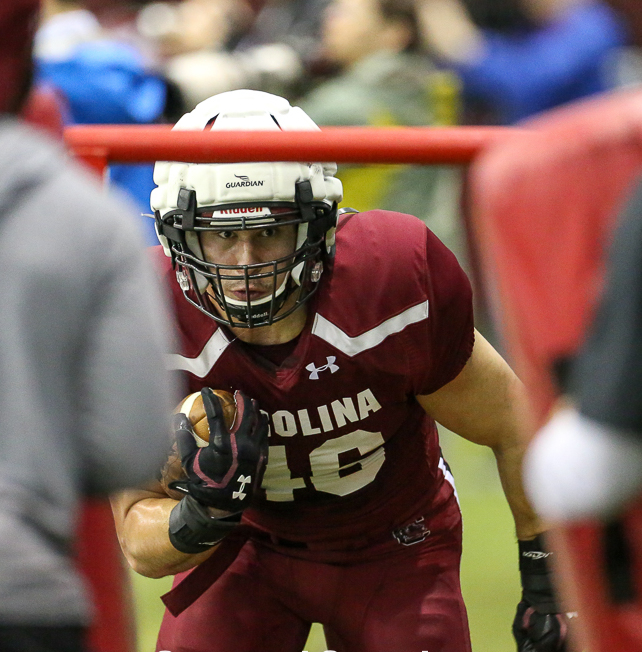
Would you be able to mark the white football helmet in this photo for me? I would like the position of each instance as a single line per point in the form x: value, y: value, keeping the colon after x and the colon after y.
x: 196, y: 197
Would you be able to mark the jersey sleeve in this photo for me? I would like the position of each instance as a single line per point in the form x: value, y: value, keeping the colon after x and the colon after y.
x: 449, y: 335
x: 607, y: 375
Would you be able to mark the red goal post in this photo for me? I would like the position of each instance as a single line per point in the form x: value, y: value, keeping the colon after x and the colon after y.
x: 99, y: 145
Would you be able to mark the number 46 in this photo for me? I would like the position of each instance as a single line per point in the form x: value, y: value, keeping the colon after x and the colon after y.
x: 328, y: 475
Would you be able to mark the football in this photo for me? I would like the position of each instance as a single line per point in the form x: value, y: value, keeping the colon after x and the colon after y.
x: 192, y: 406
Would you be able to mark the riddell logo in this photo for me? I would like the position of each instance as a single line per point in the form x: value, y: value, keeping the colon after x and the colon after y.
x: 245, y: 210
x: 243, y: 183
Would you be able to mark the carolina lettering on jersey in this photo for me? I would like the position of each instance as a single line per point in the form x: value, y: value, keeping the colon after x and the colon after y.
x: 327, y: 417
x: 348, y: 441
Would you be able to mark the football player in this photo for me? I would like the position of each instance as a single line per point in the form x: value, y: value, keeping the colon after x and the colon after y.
x: 354, y: 334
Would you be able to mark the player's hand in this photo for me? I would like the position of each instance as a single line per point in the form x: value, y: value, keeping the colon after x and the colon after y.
x: 536, y: 632
x: 538, y: 626
x: 225, y: 473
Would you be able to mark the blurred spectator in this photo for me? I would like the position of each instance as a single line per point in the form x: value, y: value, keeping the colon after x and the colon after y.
x: 119, y: 19
x: 181, y: 26
x: 84, y: 396
x: 384, y: 82
x: 195, y: 39
x: 498, y: 15
x: 296, y: 23
x: 104, y: 80
x: 213, y: 46
x: 630, y: 12
x: 290, y: 30
x: 65, y: 24
x: 555, y: 52
x: 627, y: 65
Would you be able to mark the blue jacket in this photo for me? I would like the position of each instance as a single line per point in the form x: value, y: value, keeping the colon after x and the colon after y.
x: 528, y: 72
x: 107, y: 82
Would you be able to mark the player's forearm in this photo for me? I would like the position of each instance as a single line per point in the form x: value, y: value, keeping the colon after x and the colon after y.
x: 509, y: 464
x: 144, y: 538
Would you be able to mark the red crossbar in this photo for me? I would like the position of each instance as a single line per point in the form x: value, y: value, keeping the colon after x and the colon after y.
x: 422, y: 145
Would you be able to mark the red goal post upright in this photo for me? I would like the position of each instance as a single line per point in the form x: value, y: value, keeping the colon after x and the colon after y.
x: 99, y: 145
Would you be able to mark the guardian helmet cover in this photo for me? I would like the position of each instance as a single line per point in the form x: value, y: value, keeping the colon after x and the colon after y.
x: 192, y: 198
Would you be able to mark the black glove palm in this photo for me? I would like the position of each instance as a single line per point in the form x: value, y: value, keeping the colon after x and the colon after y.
x: 536, y: 632
x: 225, y: 473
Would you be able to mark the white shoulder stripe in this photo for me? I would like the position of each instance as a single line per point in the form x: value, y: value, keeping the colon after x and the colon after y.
x: 353, y: 345
x: 448, y: 476
x: 203, y: 363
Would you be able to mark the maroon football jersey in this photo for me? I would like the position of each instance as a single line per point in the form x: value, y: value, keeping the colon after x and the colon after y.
x: 352, y: 453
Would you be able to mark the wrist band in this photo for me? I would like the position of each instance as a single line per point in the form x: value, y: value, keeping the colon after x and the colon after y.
x: 535, y: 573
x: 534, y: 557
x: 193, y: 530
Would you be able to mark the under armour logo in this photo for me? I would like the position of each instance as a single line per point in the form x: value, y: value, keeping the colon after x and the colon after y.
x: 314, y: 371
x: 243, y: 479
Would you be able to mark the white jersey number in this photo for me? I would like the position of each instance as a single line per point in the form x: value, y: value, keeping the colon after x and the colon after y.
x: 328, y: 474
